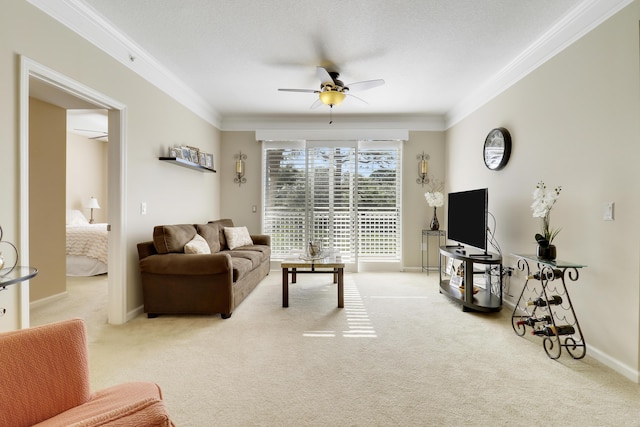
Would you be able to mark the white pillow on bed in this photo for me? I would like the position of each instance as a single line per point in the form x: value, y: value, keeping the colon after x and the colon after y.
x: 197, y: 245
x: 75, y: 217
x: 237, y: 236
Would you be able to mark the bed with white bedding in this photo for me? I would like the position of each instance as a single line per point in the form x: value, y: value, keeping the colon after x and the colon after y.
x: 87, y: 246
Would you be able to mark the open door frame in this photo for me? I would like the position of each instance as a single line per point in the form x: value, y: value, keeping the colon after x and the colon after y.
x: 117, y: 258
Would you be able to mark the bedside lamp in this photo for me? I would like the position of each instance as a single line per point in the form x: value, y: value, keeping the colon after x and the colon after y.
x: 92, y: 204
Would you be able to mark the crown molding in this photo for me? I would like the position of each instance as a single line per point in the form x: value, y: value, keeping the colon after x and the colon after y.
x: 84, y: 21
x: 347, y: 121
x: 578, y: 22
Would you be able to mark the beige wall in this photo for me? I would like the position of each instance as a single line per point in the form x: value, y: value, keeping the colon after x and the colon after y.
x: 87, y: 175
x: 47, y: 158
x: 154, y: 122
x: 574, y: 123
x: 237, y: 200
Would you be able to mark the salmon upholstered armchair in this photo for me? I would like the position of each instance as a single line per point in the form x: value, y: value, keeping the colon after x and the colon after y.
x: 44, y: 381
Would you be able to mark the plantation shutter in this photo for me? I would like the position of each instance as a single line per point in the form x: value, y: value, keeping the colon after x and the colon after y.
x: 379, y: 201
x: 344, y: 194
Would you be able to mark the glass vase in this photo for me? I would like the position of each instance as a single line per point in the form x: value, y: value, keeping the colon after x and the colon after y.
x: 435, y: 224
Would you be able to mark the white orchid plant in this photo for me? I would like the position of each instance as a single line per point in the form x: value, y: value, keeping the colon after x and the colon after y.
x: 543, y: 201
x: 434, y: 196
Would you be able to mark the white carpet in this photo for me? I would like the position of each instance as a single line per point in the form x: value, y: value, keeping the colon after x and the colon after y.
x: 399, y: 353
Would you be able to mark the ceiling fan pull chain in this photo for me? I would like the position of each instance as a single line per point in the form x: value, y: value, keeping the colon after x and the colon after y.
x: 330, y: 114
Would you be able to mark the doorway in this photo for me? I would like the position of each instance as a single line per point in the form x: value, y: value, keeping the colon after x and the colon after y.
x: 48, y: 85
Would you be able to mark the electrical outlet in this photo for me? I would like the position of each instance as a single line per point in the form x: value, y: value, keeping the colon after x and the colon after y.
x: 143, y: 208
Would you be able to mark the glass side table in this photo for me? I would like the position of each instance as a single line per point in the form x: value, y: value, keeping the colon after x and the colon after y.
x: 441, y: 235
x: 545, y: 306
x: 15, y: 275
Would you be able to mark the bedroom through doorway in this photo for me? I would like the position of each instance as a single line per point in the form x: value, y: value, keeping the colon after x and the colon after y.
x: 43, y: 186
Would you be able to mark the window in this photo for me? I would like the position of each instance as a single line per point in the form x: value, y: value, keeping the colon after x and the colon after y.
x: 346, y: 194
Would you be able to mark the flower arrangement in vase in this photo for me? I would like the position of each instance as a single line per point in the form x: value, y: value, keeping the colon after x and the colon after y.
x: 543, y: 201
x: 435, y: 199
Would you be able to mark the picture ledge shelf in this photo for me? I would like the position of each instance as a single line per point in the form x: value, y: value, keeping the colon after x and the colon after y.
x: 186, y: 164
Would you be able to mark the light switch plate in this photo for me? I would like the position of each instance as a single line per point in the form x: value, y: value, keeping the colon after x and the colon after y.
x: 608, y: 211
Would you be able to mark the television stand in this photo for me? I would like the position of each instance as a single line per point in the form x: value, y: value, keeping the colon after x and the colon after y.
x: 484, y: 255
x: 485, y: 300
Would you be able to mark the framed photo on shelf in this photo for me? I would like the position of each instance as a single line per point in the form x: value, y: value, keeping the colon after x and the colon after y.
x: 173, y: 152
x: 193, y: 155
x: 202, y: 159
x: 186, y: 153
x: 209, y: 161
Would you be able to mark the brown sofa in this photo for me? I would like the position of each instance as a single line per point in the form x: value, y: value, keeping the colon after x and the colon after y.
x: 177, y: 283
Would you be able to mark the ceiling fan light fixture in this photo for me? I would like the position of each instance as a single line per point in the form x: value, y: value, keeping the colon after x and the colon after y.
x: 332, y: 97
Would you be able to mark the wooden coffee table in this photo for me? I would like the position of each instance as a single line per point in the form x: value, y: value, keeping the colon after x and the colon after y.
x: 294, y: 264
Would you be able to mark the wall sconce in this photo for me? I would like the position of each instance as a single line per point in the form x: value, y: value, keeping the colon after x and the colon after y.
x: 92, y: 204
x: 423, y: 168
x: 240, y: 179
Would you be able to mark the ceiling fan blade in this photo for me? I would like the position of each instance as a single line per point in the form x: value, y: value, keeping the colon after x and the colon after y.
x: 367, y: 84
x: 316, y: 104
x: 300, y: 90
x: 357, y: 97
x: 324, y: 76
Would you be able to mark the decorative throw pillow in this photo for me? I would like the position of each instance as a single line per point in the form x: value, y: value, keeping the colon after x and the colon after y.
x: 197, y: 245
x: 237, y: 236
x: 75, y: 217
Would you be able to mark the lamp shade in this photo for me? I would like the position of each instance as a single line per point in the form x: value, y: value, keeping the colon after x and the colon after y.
x: 93, y: 203
x: 332, y: 97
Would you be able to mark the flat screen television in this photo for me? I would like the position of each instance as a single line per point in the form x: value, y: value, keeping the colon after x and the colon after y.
x: 467, y: 217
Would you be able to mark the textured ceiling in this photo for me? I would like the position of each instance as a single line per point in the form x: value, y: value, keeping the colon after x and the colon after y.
x: 237, y: 53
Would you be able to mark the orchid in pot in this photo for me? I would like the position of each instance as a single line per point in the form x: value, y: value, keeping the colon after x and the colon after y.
x: 435, y: 199
x: 543, y: 201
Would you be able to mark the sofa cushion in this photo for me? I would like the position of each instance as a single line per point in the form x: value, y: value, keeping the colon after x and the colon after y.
x: 172, y: 238
x: 237, y: 237
x: 211, y: 233
x: 254, y: 256
x: 197, y: 245
x: 222, y: 223
x: 263, y: 250
x: 241, y: 266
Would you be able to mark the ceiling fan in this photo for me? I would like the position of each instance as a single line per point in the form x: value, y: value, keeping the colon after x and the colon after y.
x: 103, y: 135
x: 333, y: 91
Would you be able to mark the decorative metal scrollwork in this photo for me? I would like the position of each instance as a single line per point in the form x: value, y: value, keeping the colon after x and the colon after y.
x: 4, y: 269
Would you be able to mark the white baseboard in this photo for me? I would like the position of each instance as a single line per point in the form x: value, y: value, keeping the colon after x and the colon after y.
x: 47, y: 300
x: 135, y: 312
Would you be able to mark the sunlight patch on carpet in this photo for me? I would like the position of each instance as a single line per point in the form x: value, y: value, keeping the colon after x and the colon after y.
x: 358, y: 322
